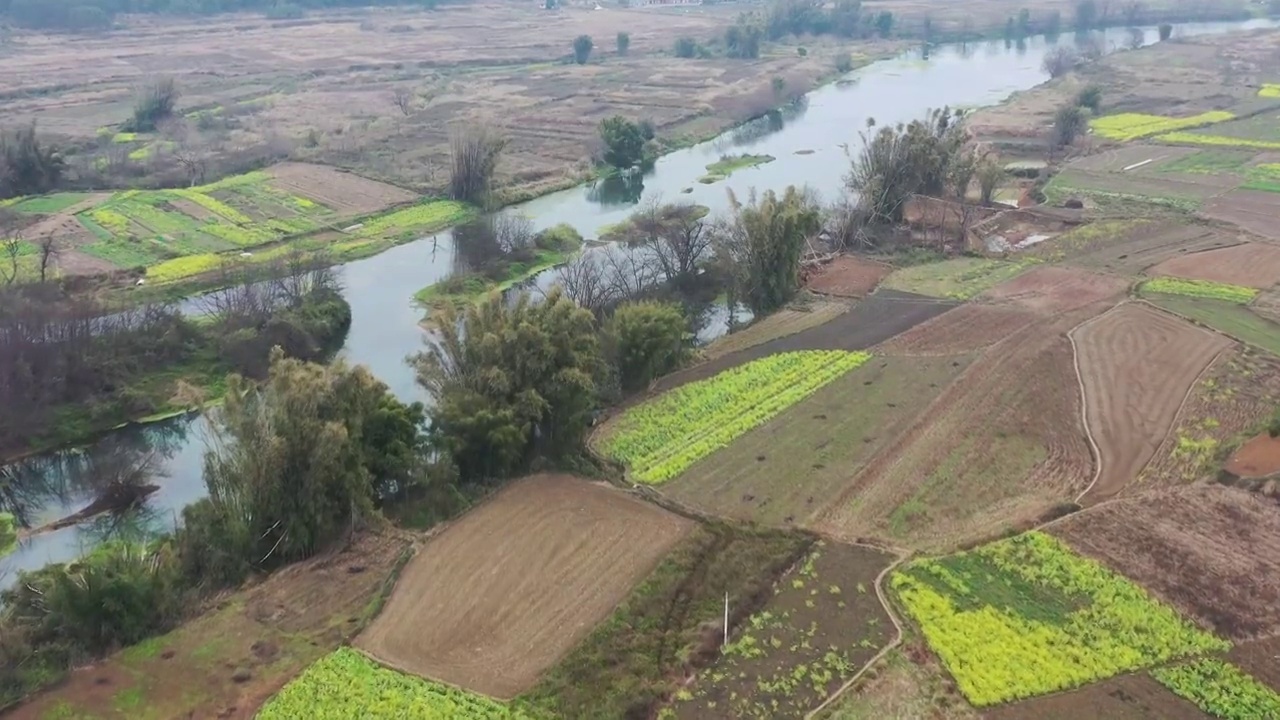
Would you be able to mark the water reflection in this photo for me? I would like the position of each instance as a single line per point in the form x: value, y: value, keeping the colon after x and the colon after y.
x: 753, y: 131
x: 618, y: 189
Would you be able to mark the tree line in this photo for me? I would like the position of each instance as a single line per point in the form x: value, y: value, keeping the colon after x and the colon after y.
x: 70, y: 364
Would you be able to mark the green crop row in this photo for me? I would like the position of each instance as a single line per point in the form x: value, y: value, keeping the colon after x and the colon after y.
x: 426, y: 217
x: 215, y: 206
x: 345, y: 684
x: 661, y: 438
x: 1131, y: 126
x: 1186, y: 138
x: 1027, y: 616
x: 1221, y: 689
x: 184, y: 267
x: 1201, y: 288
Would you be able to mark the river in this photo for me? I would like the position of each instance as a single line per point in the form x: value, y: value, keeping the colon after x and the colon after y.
x: 806, y: 139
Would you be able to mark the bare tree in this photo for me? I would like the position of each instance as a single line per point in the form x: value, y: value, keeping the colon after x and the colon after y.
x: 585, y: 282
x: 10, y: 245
x: 675, y: 235
x: 403, y: 99
x: 1060, y: 61
x: 49, y: 252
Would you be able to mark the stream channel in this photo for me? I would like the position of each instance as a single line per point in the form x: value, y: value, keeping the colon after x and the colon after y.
x: 385, y: 330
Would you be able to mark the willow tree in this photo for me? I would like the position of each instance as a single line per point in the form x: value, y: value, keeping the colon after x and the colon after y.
x: 510, y: 382
x: 761, y: 244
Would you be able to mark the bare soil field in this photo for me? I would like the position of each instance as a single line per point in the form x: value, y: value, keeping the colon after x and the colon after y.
x: 1249, y: 264
x: 786, y: 470
x: 949, y: 479
x: 1252, y: 210
x: 1135, y: 247
x: 848, y: 276
x: 787, y: 321
x: 1127, y: 697
x: 1258, y: 458
x: 824, y: 616
x: 881, y: 316
x: 1236, y: 394
x: 966, y: 329
x: 1051, y: 289
x: 273, y: 631
x: 1211, y: 551
x: 546, y: 559
x: 1136, y: 364
x: 1258, y: 659
x: 1116, y: 159
x: 346, y: 193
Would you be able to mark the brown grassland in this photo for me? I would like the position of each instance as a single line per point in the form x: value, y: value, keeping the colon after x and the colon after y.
x: 1136, y: 365
x: 1211, y: 551
x: 548, y: 558
x: 1250, y: 264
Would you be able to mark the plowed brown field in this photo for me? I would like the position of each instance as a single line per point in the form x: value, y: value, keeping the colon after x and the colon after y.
x: 1136, y: 364
x: 1052, y: 289
x: 1252, y: 210
x: 1250, y: 264
x: 848, y: 276
x: 347, y: 193
x: 1000, y: 447
x: 968, y: 328
x: 1211, y: 551
x: 500, y: 596
x: 1143, y: 245
x: 1128, y: 697
x: 1258, y: 658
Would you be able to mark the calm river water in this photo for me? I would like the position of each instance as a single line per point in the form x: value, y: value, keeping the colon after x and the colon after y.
x: 384, y: 329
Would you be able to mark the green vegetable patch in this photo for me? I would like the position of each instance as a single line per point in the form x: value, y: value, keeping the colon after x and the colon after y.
x: 662, y: 437
x: 1027, y: 616
x: 1131, y: 126
x: 1200, y: 288
x: 1221, y: 689
x: 729, y: 164
x: 346, y: 684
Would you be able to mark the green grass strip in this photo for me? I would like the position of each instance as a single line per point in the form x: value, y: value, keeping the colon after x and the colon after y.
x: 1201, y: 288
x: 661, y: 438
x: 1220, y: 689
x: 345, y: 684
x: 1186, y: 138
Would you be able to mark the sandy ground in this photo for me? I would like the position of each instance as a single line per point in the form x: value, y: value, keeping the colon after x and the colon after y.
x: 506, y: 591
x: 1211, y: 551
x: 1136, y: 364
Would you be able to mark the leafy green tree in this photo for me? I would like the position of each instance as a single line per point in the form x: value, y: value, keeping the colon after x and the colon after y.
x: 742, y: 40
x: 582, y: 47
x: 649, y: 341
x: 990, y: 174
x: 1086, y: 15
x: 27, y: 167
x: 623, y: 142
x: 904, y: 160
x: 884, y: 23
x: 292, y: 460
x: 510, y: 382
x: 1090, y: 98
x: 624, y: 42
x: 1068, y: 124
x: 8, y: 534
x: 761, y: 244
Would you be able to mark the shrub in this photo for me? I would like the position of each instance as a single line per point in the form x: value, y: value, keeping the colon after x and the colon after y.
x: 1166, y: 30
x: 561, y: 238
x: 844, y: 63
x: 582, y: 46
x: 1090, y: 97
x: 650, y: 340
x: 686, y: 47
x: 624, y: 42
x: 155, y: 103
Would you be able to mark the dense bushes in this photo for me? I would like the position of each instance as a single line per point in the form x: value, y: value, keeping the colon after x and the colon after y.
x: 27, y: 167
x: 650, y: 339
